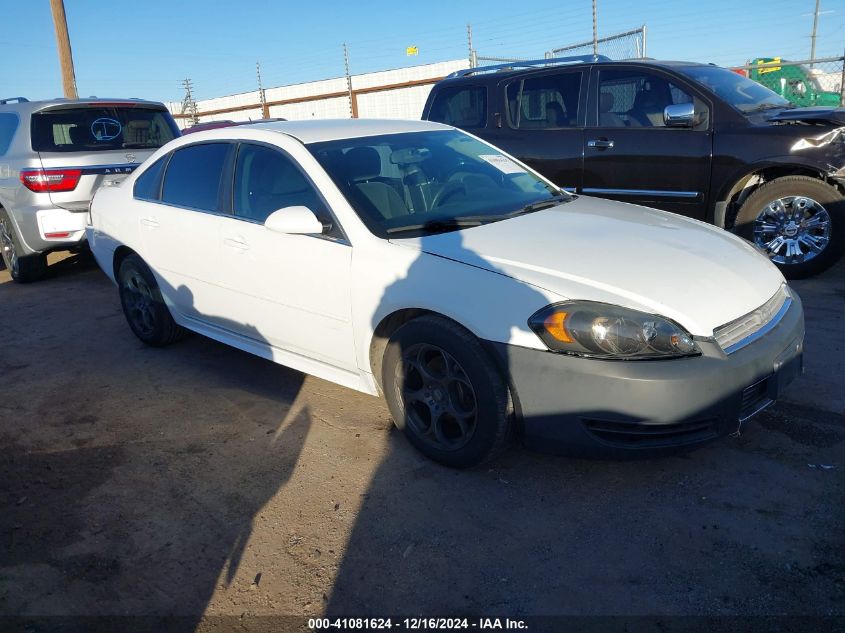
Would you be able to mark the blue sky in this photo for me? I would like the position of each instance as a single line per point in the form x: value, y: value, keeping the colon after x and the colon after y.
x: 143, y: 48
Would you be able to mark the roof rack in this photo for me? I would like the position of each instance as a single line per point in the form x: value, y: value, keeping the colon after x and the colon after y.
x: 10, y: 99
x: 550, y: 61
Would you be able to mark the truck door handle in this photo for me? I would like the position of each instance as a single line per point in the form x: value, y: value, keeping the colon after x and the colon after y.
x: 236, y: 243
x: 600, y: 143
x: 150, y: 222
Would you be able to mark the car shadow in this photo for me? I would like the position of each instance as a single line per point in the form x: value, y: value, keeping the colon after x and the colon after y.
x: 162, y: 518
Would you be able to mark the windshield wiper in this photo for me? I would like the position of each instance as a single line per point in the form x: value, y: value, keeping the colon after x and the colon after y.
x: 769, y: 106
x: 437, y: 226
x: 528, y: 208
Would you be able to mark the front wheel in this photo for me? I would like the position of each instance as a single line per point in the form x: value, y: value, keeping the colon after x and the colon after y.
x: 445, y: 393
x: 143, y: 305
x: 799, y: 221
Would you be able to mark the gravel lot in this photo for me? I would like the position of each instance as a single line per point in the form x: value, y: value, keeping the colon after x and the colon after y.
x: 197, y: 480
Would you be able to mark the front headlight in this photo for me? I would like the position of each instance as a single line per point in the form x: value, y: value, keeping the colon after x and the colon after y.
x: 602, y: 330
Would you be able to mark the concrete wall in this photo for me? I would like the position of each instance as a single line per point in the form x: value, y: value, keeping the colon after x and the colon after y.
x: 328, y: 98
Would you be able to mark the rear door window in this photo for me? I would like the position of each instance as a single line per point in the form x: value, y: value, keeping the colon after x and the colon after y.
x: 91, y: 129
x: 462, y: 106
x: 194, y: 176
x: 545, y: 101
x: 8, y: 125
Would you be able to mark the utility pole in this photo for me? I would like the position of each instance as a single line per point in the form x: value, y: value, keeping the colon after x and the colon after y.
x: 595, y: 30
x: 63, y: 44
x: 472, y: 60
x: 813, y: 36
x: 189, y: 106
x: 353, y: 106
x: 265, y: 114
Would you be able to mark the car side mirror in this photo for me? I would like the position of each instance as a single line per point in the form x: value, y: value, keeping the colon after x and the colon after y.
x: 296, y: 220
x: 679, y: 115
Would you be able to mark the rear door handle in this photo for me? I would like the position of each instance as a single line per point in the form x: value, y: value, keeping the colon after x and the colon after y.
x: 232, y: 242
x: 600, y: 143
x: 150, y: 222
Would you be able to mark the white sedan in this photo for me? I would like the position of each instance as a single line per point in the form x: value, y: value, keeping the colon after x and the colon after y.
x: 415, y: 261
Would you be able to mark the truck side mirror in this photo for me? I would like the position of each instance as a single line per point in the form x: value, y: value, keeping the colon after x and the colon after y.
x: 679, y: 115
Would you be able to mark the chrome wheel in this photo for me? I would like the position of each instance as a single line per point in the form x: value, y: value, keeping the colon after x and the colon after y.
x: 438, y: 397
x: 139, y: 303
x: 793, y: 230
x: 7, y: 247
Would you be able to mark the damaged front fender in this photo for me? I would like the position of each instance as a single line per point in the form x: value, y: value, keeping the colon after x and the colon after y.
x: 833, y: 136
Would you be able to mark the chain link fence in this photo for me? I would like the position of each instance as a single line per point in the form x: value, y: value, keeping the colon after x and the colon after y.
x: 817, y: 82
x: 627, y: 45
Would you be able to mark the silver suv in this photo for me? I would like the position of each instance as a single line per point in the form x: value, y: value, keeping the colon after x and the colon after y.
x: 53, y: 156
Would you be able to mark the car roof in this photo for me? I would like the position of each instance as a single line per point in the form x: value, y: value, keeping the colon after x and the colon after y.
x: 490, y: 73
x: 20, y: 104
x: 315, y: 131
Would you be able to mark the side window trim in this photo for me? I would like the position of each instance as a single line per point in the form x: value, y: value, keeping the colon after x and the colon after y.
x: 341, y: 238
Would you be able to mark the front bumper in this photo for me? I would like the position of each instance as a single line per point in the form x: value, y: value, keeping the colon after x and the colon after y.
x: 568, y: 404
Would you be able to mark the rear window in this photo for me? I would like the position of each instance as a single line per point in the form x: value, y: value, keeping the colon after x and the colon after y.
x: 8, y: 125
x: 92, y: 129
x: 464, y: 107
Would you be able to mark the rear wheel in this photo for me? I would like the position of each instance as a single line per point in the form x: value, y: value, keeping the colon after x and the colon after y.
x: 445, y: 393
x: 143, y: 305
x: 798, y: 220
x: 22, y: 268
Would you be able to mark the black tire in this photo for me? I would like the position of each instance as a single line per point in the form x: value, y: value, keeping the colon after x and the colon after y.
x: 473, y: 383
x: 22, y: 268
x: 143, y: 305
x: 830, y: 199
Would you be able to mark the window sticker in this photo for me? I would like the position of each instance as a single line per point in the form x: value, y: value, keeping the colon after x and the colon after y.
x: 105, y: 129
x: 502, y: 163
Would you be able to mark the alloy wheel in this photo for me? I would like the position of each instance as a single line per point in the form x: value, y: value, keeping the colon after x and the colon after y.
x: 139, y: 302
x: 792, y: 230
x: 439, y: 400
x: 7, y: 246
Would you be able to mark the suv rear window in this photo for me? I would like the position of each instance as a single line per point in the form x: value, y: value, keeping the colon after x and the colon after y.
x: 91, y: 129
x: 462, y: 106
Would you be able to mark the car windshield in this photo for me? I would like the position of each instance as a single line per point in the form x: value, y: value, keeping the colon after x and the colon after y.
x: 98, y: 128
x: 418, y: 183
x: 741, y: 92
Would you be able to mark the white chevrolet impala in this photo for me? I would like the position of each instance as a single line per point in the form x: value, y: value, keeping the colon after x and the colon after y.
x: 412, y: 260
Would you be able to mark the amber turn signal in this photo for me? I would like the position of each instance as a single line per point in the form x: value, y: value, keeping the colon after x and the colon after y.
x: 555, y: 325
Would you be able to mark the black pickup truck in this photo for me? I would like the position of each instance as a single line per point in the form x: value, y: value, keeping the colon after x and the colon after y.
x: 694, y: 139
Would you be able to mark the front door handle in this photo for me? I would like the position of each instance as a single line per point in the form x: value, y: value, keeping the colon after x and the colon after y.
x: 150, y: 222
x: 600, y: 143
x: 232, y: 242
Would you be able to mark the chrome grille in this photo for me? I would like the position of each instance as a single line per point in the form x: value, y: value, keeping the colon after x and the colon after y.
x: 747, y: 328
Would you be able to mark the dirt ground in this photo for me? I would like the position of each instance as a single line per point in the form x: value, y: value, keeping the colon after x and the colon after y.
x: 199, y: 480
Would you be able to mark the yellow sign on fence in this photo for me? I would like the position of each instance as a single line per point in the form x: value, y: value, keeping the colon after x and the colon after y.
x: 412, y: 51
x: 767, y: 60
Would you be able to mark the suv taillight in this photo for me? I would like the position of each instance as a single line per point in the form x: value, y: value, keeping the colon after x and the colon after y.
x: 41, y: 180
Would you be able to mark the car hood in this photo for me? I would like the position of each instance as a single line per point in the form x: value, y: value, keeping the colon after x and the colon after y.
x: 818, y: 114
x: 641, y: 258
